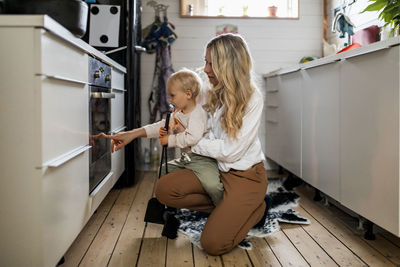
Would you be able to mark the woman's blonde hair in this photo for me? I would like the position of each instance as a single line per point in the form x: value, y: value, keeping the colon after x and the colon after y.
x: 232, y: 64
x: 187, y: 80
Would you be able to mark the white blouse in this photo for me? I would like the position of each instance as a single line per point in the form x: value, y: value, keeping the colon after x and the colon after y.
x: 240, y: 154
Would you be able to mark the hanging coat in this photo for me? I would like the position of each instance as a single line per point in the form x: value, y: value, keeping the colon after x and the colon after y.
x: 159, y: 40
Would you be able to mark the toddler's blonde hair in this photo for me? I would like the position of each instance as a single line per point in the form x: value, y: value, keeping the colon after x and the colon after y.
x: 187, y: 80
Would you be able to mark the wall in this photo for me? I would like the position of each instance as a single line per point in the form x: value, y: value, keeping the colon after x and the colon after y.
x: 274, y: 43
x: 360, y: 21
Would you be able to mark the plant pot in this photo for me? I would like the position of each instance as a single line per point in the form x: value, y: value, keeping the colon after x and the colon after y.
x: 272, y: 11
x: 72, y: 14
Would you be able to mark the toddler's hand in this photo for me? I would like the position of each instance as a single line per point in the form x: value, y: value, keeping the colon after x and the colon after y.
x: 164, y: 140
x: 162, y: 132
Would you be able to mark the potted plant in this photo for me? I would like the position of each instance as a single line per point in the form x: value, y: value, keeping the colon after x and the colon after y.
x: 390, y: 13
x: 272, y: 11
x: 245, y: 8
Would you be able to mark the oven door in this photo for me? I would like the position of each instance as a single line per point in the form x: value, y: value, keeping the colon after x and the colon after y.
x: 99, y: 122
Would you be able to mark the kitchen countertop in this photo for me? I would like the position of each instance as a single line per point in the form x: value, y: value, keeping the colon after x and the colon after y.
x: 46, y: 22
x: 394, y: 41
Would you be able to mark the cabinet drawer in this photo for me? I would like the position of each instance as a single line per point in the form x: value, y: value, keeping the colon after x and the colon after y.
x: 118, y: 162
x: 272, y: 140
x: 65, y: 117
x: 271, y: 85
x: 60, y: 58
x: 272, y: 115
x: 117, y: 110
x: 117, y: 78
x: 65, y: 205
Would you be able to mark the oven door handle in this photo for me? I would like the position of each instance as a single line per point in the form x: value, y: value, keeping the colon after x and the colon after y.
x: 102, y: 95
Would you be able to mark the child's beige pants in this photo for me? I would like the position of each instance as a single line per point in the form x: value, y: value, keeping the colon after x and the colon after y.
x: 241, y: 208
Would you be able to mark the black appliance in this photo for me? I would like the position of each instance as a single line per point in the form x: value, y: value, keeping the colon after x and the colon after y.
x: 72, y: 14
x: 128, y: 55
x: 99, y: 121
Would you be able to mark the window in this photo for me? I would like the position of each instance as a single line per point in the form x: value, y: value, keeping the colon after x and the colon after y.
x: 240, y: 8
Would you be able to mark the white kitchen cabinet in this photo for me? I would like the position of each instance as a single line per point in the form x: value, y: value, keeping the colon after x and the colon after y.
x: 283, y: 113
x: 44, y: 106
x: 369, y: 131
x: 350, y: 128
x: 44, y: 192
x: 320, y: 128
x: 118, y: 119
x: 272, y: 108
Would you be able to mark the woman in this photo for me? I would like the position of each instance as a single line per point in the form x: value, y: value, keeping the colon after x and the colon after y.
x: 236, y: 106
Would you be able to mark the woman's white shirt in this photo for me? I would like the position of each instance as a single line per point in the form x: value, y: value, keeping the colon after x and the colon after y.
x: 240, y: 154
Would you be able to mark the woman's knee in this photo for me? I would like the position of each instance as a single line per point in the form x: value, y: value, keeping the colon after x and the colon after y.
x: 214, y: 245
x: 162, y: 191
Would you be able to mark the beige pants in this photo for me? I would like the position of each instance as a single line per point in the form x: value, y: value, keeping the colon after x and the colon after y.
x: 241, y: 208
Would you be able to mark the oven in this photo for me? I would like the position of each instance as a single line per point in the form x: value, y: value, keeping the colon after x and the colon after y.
x: 99, y: 121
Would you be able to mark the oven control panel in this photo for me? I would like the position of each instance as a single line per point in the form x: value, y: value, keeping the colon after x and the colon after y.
x: 99, y: 73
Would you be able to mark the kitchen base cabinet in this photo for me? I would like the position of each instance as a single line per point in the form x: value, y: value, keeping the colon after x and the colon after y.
x: 44, y: 110
x: 320, y: 128
x: 283, y: 115
x: 369, y: 130
x: 350, y: 128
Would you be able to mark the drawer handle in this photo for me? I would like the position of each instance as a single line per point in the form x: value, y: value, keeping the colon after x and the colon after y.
x: 139, y: 48
x: 271, y: 121
x: 272, y: 106
x: 102, y: 95
x: 54, y: 163
x: 56, y: 77
x: 272, y: 91
x: 118, y: 130
x: 118, y: 89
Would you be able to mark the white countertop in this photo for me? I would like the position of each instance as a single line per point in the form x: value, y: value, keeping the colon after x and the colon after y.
x: 337, y: 57
x: 45, y: 22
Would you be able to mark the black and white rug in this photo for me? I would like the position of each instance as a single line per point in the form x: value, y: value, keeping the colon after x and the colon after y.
x: 192, y: 222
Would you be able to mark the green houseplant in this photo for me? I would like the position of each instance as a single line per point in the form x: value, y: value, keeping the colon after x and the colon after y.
x: 390, y: 12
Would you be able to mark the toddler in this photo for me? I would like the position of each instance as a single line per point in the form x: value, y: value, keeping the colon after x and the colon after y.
x: 188, y: 124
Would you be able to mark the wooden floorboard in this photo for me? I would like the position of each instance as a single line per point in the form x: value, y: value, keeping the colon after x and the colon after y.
x: 261, y: 254
x: 117, y: 236
x: 286, y: 253
x: 311, y: 251
x: 236, y: 258
x: 103, y: 245
x: 179, y: 252
x: 126, y: 251
x: 81, y: 244
x: 348, y: 237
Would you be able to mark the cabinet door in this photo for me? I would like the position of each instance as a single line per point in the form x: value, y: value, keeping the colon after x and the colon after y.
x: 118, y: 120
x: 369, y: 130
x: 65, y: 197
x: 289, y: 121
x: 320, y: 128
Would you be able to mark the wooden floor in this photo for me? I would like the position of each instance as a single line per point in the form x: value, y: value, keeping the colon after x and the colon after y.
x: 117, y: 236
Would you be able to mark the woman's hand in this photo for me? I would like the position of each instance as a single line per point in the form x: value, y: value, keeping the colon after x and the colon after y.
x: 119, y: 140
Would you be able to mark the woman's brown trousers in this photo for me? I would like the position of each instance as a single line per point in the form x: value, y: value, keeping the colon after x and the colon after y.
x: 229, y: 222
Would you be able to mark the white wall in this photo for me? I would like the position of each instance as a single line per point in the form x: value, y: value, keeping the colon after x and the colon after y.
x: 274, y: 43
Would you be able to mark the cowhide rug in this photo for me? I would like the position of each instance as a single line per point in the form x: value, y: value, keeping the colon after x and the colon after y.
x: 192, y: 222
